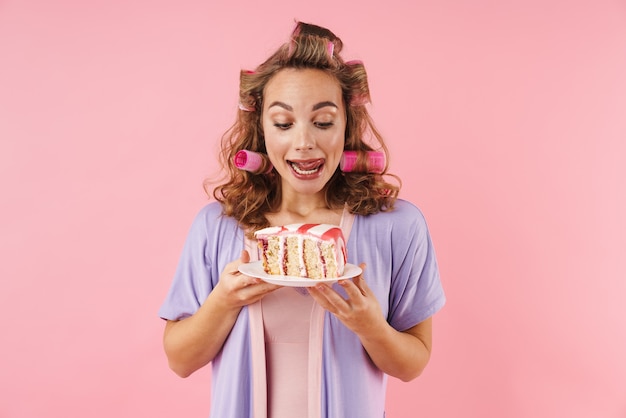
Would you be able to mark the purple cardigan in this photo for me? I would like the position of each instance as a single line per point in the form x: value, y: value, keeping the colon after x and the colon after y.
x: 401, y: 270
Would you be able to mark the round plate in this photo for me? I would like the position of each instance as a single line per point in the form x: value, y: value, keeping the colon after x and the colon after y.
x: 255, y: 269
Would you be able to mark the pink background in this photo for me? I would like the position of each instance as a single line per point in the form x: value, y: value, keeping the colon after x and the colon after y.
x: 514, y: 113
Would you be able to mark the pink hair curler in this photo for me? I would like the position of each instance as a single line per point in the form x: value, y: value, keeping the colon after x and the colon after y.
x: 252, y: 161
x: 375, y: 161
x: 246, y: 108
x: 330, y: 49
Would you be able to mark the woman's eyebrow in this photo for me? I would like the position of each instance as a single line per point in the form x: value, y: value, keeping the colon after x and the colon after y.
x: 315, y: 107
x: 281, y: 104
x: 324, y: 104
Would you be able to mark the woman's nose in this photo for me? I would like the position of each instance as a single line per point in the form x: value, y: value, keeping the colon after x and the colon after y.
x: 303, y: 140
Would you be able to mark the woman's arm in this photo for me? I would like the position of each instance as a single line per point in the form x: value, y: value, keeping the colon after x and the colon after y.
x: 193, y: 342
x: 400, y: 354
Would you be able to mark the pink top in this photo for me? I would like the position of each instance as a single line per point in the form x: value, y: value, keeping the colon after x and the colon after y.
x: 286, y: 350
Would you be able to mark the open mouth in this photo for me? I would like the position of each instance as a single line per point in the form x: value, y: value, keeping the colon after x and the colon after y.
x: 307, y: 167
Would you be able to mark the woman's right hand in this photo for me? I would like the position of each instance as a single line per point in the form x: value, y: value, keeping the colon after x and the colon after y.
x: 193, y: 342
x: 235, y: 289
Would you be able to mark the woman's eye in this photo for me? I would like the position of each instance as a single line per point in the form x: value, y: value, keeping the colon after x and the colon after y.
x: 323, y: 125
x: 283, y: 126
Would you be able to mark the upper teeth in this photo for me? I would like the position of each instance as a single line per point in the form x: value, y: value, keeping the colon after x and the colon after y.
x: 299, y: 171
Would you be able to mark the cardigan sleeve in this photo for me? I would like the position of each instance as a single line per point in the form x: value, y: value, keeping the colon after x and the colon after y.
x: 191, y: 282
x: 416, y: 291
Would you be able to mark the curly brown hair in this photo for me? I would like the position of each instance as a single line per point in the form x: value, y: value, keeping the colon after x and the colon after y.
x: 247, y: 197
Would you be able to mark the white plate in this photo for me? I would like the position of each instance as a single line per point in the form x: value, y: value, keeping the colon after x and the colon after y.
x: 255, y: 269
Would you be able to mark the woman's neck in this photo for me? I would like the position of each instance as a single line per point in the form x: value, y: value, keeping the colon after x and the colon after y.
x: 304, y: 211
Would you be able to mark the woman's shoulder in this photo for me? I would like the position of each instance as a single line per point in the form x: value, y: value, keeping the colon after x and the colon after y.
x: 212, y: 225
x: 402, y: 211
x: 212, y: 209
x: 212, y: 213
x: 406, y: 207
x: 404, y: 220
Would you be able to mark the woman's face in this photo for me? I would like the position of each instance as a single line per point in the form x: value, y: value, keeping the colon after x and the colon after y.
x: 304, y: 123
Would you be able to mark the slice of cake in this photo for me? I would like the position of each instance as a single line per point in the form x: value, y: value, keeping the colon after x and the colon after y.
x: 315, y: 251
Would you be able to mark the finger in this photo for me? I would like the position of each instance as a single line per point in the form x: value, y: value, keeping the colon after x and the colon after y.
x: 353, y: 288
x: 319, y: 296
x: 259, y: 284
x: 232, y: 268
x: 360, y: 282
x: 329, y: 299
x: 262, y: 289
x: 317, y: 293
x: 254, y: 289
x: 250, y: 281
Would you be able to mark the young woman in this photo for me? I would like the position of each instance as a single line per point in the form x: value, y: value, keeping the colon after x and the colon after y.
x: 321, y: 351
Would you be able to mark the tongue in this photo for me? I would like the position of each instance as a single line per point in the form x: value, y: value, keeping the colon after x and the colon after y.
x: 308, y: 165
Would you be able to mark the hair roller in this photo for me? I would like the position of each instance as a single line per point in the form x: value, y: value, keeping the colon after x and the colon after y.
x: 246, y: 108
x: 312, y: 46
x: 330, y: 49
x: 253, y: 162
x: 308, y: 29
x: 362, y: 162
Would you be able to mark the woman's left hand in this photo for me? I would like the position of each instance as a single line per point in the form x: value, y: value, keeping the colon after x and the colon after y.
x: 360, y: 312
x: 402, y: 354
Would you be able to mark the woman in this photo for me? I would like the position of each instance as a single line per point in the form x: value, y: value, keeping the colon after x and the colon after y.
x: 325, y: 351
